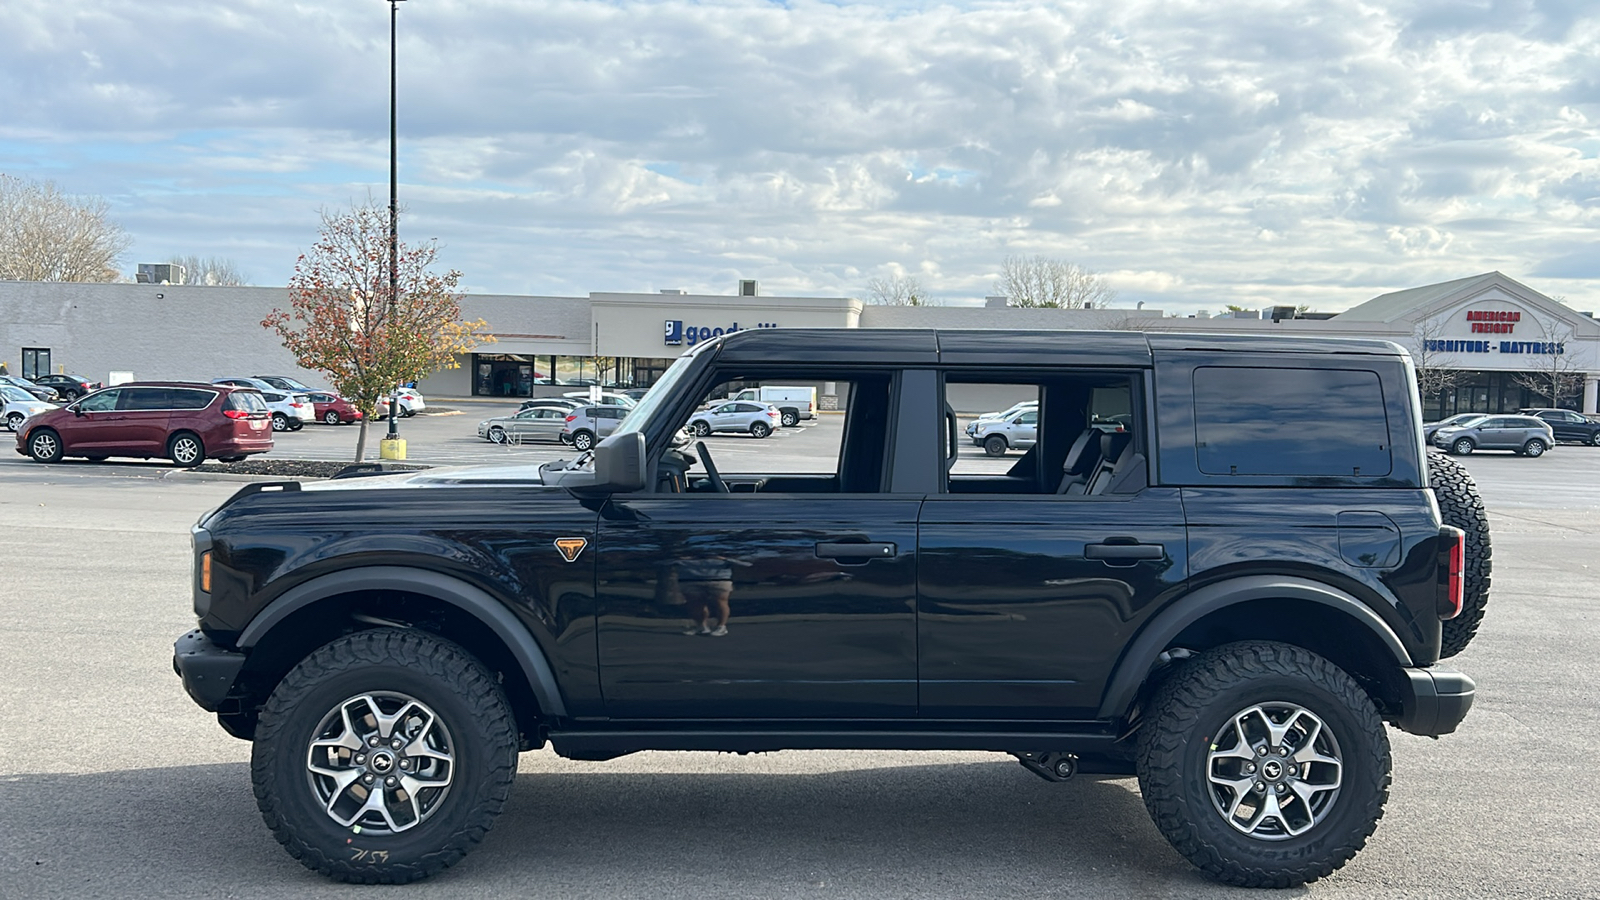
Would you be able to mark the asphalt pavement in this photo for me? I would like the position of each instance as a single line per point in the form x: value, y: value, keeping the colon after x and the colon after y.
x: 113, y: 784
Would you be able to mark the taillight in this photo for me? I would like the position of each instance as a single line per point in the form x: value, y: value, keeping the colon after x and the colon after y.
x: 571, y: 419
x: 236, y: 413
x: 1453, y: 597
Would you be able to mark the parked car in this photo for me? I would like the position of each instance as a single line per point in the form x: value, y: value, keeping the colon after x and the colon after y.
x: 563, y: 402
x: 1568, y: 425
x: 184, y: 422
x: 587, y: 424
x: 288, y: 385
x: 530, y: 424
x: 290, y: 412
x: 409, y: 402
x: 333, y: 409
x: 1429, y: 429
x: 1018, y: 431
x: 739, y: 416
x: 1523, y: 435
x: 972, y: 427
x: 70, y: 387
x: 635, y: 394
x: 17, y: 405
x: 793, y: 402
x: 47, y: 394
x: 607, y: 398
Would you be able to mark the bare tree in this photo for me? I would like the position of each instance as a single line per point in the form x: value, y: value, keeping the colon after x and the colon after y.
x: 208, y: 270
x: 901, y: 290
x: 1433, y: 377
x: 1038, y: 281
x: 46, y: 235
x: 1553, y: 373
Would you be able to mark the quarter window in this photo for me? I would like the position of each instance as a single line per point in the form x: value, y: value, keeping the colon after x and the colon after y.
x: 1290, y: 421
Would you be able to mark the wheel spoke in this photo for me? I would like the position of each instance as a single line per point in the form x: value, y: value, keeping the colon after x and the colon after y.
x: 343, y: 781
x: 357, y: 743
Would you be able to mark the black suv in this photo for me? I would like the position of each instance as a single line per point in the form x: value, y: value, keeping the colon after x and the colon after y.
x: 1229, y: 597
x: 1568, y: 425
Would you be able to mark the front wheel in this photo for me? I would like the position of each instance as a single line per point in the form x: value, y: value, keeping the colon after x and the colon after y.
x: 497, y: 435
x: 44, y: 446
x: 1534, y: 447
x: 15, y: 420
x: 384, y: 757
x: 995, y: 445
x: 701, y: 429
x: 1461, y: 447
x: 1263, y: 764
x: 760, y: 429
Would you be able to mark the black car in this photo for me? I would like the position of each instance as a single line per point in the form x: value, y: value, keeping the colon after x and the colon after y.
x: 1568, y: 425
x: 69, y: 386
x: 43, y: 392
x: 1230, y: 606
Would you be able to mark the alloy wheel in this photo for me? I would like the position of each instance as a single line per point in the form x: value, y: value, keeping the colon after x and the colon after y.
x: 1274, y: 771
x: 381, y: 762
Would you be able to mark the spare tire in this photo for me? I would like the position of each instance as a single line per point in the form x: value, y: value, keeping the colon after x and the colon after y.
x: 1460, y: 505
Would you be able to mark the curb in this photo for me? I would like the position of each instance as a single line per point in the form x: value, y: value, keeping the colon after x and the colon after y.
x: 191, y: 475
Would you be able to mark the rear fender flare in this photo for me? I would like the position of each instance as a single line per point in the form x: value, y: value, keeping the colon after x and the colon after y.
x: 472, y: 600
x: 1156, y: 636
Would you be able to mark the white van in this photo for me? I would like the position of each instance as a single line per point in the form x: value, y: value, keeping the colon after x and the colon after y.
x: 793, y: 403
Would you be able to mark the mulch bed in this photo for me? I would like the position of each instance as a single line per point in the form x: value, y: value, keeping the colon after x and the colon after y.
x: 298, y: 468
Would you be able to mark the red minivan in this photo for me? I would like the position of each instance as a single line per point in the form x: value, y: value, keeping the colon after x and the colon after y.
x: 181, y: 421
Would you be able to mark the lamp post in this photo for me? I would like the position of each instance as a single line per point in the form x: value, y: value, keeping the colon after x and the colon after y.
x: 394, y: 204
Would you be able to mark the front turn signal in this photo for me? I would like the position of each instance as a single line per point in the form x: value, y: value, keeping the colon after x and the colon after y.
x: 205, y: 571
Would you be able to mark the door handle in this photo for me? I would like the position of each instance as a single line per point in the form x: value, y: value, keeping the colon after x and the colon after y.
x: 1124, y: 551
x: 856, y: 551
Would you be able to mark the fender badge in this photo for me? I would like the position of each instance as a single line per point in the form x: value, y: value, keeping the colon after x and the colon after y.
x: 571, y: 547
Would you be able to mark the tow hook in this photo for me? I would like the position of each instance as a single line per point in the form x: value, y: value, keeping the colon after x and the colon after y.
x: 1050, y: 766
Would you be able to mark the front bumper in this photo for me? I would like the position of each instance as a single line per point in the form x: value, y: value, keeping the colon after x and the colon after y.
x: 208, y: 671
x: 1435, y: 700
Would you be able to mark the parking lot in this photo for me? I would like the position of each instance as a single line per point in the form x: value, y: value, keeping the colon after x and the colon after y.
x: 114, y: 784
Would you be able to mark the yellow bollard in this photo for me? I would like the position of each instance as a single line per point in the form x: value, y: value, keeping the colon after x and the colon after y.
x: 394, y: 448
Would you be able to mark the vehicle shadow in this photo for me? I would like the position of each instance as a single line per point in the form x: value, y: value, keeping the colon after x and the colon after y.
x: 980, y: 828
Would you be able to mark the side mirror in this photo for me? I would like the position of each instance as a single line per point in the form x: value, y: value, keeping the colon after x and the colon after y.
x: 77, y: 411
x: 619, y: 463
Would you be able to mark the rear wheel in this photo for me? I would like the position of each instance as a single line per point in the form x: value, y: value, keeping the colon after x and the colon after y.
x: 280, y: 422
x: 186, y: 450
x: 296, y: 424
x: 331, y: 417
x: 1533, y: 447
x: 1594, y: 439
x: 790, y: 418
x: 44, y: 445
x: 1263, y: 764
x: 994, y: 445
x: 760, y: 429
x: 384, y: 757
x: 583, y: 440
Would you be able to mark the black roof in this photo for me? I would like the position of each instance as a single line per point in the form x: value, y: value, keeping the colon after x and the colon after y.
x: 984, y: 346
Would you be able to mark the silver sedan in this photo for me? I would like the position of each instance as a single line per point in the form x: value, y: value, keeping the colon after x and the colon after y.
x: 536, y: 423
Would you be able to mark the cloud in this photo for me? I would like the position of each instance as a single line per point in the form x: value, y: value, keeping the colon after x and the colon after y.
x: 1321, y: 151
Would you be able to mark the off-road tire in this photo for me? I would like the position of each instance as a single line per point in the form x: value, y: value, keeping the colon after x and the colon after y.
x: 467, y: 699
x: 1460, y: 505
x: 1185, y: 715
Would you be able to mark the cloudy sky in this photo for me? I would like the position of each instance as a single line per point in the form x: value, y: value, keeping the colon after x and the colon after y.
x: 1195, y: 153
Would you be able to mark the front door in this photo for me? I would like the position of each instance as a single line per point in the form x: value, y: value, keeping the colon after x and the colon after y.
x: 754, y: 605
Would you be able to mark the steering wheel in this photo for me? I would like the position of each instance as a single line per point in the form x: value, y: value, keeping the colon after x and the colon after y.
x: 711, y: 467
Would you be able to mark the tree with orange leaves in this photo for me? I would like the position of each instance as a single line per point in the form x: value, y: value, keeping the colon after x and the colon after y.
x: 343, y: 321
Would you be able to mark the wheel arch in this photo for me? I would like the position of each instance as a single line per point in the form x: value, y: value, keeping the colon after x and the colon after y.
x: 311, y: 614
x: 1306, y: 613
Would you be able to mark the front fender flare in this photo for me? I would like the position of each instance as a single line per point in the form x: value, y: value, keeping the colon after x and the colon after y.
x: 472, y: 600
x: 1170, y: 622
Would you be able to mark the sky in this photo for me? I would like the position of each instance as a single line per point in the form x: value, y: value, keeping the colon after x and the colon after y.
x: 1195, y: 154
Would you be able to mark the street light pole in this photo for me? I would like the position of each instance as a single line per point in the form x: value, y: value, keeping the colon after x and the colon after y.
x: 394, y: 203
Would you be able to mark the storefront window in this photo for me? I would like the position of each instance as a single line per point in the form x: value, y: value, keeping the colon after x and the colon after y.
x: 515, y: 375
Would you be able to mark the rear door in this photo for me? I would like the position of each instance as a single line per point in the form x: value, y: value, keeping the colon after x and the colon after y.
x: 145, y: 411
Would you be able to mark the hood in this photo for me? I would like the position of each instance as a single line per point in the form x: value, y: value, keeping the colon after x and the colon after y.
x: 522, y: 475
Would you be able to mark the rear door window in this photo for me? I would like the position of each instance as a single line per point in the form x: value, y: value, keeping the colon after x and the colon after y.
x: 1290, y: 421
x: 134, y: 399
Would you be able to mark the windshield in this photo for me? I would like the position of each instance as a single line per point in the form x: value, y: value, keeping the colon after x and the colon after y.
x: 658, y: 395
x: 11, y: 392
x: 1468, y: 422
